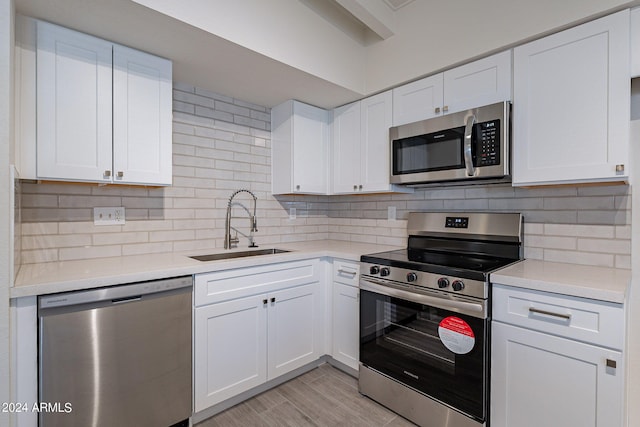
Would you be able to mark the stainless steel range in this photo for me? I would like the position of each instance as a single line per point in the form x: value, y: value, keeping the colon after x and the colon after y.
x: 425, y: 316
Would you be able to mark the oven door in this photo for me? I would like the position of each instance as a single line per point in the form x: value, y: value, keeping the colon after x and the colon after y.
x: 436, y: 346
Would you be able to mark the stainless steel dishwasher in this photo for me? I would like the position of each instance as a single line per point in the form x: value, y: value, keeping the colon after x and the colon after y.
x: 117, y: 356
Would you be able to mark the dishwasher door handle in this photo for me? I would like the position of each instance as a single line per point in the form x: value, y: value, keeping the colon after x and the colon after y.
x: 126, y: 299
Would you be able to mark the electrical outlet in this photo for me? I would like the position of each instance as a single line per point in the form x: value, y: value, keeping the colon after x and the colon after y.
x: 292, y: 213
x: 108, y: 216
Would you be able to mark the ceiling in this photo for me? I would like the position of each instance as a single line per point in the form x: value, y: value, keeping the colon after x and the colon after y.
x: 199, y: 58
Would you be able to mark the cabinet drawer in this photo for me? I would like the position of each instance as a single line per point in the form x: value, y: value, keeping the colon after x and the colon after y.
x: 346, y: 272
x: 241, y: 282
x: 586, y: 320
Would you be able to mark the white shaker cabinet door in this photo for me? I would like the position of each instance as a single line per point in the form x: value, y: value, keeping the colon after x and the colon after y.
x: 295, y: 330
x: 543, y: 380
x: 346, y: 324
x: 482, y: 82
x: 74, y: 93
x: 376, y: 119
x: 346, y: 148
x: 142, y: 117
x: 419, y: 100
x: 230, y: 349
x: 571, y: 105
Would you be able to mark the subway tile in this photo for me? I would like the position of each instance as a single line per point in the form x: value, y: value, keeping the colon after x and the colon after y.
x: 533, y: 228
x: 551, y: 242
x: 221, y: 144
x: 146, y: 248
x: 39, y: 228
x: 120, y: 238
x: 173, y: 235
x: 584, y: 258
x: 89, y: 252
x: 623, y: 261
x: 37, y: 256
x: 609, y: 246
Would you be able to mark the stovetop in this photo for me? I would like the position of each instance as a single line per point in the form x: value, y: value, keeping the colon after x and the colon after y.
x: 474, y: 266
x: 449, y: 252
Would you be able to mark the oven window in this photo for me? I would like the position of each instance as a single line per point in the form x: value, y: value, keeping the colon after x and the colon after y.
x: 431, y: 152
x: 401, y: 339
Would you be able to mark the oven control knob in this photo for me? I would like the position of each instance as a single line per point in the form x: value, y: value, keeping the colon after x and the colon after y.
x: 457, y: 285
x: 443, y: 282
x: 374, y: 269
x: 412, y: 277
x: 384, y: 271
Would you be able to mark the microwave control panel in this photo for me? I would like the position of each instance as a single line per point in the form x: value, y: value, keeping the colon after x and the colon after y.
x: 488, y: 143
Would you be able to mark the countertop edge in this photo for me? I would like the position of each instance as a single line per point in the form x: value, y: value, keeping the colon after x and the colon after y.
x: 597, y: 283
x: 35, y: 279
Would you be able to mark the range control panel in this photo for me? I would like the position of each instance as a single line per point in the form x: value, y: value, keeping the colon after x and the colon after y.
x: 457, y: 222
x: 421, y: 279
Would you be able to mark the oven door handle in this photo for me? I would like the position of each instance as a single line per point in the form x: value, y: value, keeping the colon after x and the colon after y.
x: 470, y: 308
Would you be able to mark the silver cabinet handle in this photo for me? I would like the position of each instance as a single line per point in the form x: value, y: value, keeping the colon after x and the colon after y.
x: 107, y: 174
x: 360, y: 187
x: 445, y: 108
x: 355, y: 187
x: 120, y: 174
x: 437, y: 110
x: 353, y: 273
x: 468, y: 133
x: 620, y: 168
x: 297, y: 187
x: 611, y: 364
x: 549, y: 313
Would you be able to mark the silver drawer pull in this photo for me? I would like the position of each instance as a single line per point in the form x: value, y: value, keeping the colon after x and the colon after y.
x: 611, y: 364
x: 353, y: 273
x: 549, y: 313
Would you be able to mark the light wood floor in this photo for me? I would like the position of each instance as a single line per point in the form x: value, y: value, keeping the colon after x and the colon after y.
x: 324, y: 396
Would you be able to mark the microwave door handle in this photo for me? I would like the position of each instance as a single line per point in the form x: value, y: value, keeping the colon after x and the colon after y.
x: 468, y: 133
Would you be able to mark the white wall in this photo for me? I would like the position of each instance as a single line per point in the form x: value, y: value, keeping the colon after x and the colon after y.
x: 6, y: 125
x: 434, y: 35
x: 296, y: 33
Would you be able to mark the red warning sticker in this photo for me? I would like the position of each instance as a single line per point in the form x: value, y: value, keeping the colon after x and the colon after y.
x: 456, y: 335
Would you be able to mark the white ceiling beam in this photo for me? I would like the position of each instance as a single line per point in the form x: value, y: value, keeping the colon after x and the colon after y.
x: 374, y: 14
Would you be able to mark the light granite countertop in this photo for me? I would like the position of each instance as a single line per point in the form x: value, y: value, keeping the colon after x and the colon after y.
x: 599, y: 283
x: 53, y: 277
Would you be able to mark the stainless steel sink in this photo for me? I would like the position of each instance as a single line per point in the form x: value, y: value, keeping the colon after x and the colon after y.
x: 231, y: 255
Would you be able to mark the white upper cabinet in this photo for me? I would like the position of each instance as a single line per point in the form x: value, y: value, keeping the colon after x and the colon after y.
x: 418, y: 100
x: 635, y: 42
x: 472, y: 85
x: 300, y: 149
x: 361, y: 153
x: 482, y: 82
x: 102, y: 111
x: 345, y: 140
x: 571, y: 105
x: 74, y: 123
x: 142, y: 119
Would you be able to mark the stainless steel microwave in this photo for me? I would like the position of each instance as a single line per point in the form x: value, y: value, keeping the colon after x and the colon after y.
x: 464, y: 146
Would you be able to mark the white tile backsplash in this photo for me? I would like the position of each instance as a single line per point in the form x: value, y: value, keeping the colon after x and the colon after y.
x: 221, y: 144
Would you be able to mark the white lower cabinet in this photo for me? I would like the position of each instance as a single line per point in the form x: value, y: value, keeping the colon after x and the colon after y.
x: 230, y: 349
x: 543, y: 373
x: 346, y: 299
x: 261, y: 323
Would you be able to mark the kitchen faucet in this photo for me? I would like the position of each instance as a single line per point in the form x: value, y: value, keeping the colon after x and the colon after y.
x: 228, y: 240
